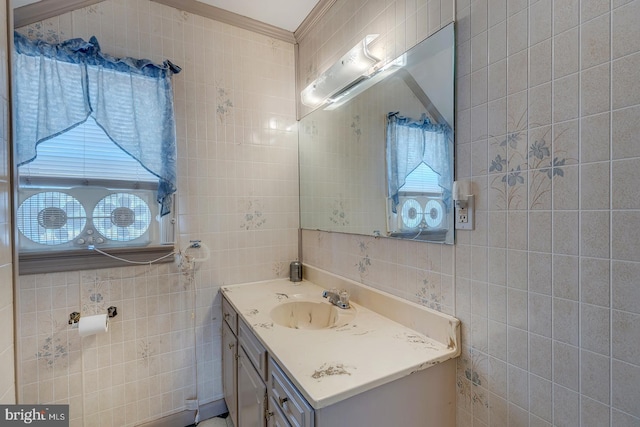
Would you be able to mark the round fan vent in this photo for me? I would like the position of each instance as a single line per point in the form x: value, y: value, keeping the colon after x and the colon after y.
x: 122, y: 217
x: 51, y: 218
x: 434, y: 213
x: 411, y: 213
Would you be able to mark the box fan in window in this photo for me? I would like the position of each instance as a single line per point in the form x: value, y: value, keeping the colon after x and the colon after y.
x: 79, y: 217
x: 420, y: 213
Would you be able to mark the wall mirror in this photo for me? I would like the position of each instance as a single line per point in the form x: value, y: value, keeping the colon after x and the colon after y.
x: 378, y: 159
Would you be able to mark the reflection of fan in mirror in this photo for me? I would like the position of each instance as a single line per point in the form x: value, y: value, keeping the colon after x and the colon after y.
x: 434, y: 213
x: 122, y: 217
x: 51, y: 218
x: 411, y: 213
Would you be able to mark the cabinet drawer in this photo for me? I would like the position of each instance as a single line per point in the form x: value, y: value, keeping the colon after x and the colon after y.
x: 284, y: 395
x: 255, y: 350
x: 276, y: 417
x: 230, y: 316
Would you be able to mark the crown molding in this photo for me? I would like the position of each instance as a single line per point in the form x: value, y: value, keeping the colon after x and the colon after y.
x: 230, y: 18
x: 312, y: 18
x: 45, y: 9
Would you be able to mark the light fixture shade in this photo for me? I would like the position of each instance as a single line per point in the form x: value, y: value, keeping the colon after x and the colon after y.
x: 348, y: 70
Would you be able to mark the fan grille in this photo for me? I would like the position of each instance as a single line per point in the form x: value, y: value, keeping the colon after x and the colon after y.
x: 51, y: 218
x: 411, y: 213
x: 434, y: 214
x: 122, y: 217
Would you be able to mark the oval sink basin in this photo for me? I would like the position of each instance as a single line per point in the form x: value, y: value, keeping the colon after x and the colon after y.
x: 311, y: 315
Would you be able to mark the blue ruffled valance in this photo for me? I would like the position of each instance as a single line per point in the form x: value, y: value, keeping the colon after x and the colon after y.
x: 412, y: 142
x: 58, y: 86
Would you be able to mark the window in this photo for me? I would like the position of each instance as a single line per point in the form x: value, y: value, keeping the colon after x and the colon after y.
x: 83, y: 191
x: 419, y: 178
x: 95, y: 148
x: 421, y: 205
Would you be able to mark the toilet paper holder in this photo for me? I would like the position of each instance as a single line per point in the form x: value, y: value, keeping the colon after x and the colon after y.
x: 75, y: 316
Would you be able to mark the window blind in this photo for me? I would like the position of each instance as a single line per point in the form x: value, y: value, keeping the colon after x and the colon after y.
x: 422, y: 179
x: 85, y: 154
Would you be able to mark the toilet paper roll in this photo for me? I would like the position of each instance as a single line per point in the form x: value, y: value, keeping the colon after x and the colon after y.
x: 91, y: 325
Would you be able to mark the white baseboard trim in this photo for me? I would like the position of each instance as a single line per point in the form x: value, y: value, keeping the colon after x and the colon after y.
x: 186, y: 418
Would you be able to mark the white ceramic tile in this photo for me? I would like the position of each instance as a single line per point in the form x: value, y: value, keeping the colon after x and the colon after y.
x: 566, y: 408
x: 540, y: 314
x: 593, y: 8
x: 595, y: 36
x: 595, y: 329
x: 594, y: 413
x: 566, y: 321
x: 624, y: 93
x: 540, y: 64
x: 595, y: 282
x: 565, y: 15
x: 566, y: 98
x: 624, y: 378
x: 566, y: 52
x: 625, y: 33
x: 540, y: 276
x: 540, y: 394
x: 566, y: 365
x: 625, y: 235
x: 594, y: 234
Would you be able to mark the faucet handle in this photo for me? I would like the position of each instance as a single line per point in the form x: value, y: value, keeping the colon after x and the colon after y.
x: 344, y: 297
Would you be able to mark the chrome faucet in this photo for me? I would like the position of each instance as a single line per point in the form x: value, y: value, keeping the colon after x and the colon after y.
x: 339, y: 299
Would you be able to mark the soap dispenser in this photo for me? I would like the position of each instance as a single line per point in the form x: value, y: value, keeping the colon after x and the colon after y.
x: 295, y: 271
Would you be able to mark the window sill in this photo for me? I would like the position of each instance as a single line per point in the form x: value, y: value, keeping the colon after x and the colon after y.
x: 429, y: 235
x: 54, y: 262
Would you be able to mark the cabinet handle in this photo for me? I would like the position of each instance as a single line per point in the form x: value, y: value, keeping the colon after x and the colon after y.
x: 283, y: 400
x: 226, y: 315
x: 231, y: 345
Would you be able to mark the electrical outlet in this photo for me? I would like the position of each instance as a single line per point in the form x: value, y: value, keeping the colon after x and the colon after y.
x: 464, y: 216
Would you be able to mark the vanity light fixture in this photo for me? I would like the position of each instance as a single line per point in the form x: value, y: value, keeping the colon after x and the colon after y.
x: 348, y: 71
x: 379, y: 74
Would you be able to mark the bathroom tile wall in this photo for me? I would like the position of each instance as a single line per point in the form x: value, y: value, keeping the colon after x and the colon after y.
x: 7, y: 349
x: 547, y: 285
x: 237, y: 192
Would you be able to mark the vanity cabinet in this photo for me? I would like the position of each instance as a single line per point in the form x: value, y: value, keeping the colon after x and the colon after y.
x: 256, y: 391
x: 230, y: 360
x: 266, y: 394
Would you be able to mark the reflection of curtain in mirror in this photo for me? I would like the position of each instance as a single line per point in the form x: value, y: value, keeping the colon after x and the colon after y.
x: 411, y: 142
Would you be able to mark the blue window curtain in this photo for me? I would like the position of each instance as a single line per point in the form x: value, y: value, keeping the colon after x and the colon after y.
x: 58, y: 86
x: 410, y: 143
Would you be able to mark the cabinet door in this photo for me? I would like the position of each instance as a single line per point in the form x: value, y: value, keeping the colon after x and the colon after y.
x: 229, y: 371
x: 251, y: 394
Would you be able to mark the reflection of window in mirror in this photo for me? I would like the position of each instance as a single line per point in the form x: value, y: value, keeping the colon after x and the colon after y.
x: 421, y: 204
x: 419, y: 177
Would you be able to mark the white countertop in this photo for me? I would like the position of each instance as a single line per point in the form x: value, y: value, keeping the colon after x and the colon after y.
x: 330, y: 365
